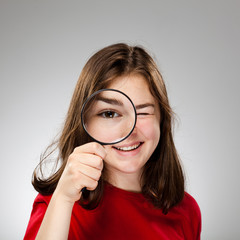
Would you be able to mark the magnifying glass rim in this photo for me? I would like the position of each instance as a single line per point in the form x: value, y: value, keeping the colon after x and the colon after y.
x: 94, y: 94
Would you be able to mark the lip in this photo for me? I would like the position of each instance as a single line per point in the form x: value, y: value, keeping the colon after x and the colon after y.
x: 128, y: 144
x: 129, y: 152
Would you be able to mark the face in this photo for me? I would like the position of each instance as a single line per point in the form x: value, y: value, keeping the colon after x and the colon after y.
x: 130, y: 155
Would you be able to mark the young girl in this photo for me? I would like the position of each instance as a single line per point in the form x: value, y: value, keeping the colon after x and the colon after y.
x: 133, y: 189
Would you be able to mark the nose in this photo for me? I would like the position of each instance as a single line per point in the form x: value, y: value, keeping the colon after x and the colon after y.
x: 135, y: 130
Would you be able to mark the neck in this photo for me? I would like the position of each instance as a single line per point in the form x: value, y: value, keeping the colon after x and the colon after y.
x: 127, y: 181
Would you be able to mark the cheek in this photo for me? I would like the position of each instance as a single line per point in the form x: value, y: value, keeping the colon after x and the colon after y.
x: 150, y: 129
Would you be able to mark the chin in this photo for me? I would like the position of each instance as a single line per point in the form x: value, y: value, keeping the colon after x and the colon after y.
x: 127, y: 168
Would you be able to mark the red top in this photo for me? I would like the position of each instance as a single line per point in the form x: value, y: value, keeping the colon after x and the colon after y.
x: 125, y: 215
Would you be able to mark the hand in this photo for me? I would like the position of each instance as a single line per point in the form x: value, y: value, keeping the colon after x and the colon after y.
x: 83, y: 169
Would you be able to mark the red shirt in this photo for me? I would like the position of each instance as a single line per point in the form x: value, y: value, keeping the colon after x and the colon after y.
x: 125, y: 215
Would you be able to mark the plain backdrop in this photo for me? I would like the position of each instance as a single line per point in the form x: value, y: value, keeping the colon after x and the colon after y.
x: 43, y: 47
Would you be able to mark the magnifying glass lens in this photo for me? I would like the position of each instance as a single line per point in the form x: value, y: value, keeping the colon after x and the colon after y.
x: 108, y: 116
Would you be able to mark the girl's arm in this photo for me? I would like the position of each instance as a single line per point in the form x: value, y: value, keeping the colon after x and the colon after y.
x: 56, y: 222
x: 83, y: 169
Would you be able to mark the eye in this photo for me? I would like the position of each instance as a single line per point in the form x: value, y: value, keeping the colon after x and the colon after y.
x: 108, y: 114
x: 143, y: 114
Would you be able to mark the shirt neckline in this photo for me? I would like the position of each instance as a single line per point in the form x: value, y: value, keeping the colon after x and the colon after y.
x: 124, y: 193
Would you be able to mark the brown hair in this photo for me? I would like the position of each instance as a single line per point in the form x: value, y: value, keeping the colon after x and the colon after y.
x: 162, y: 179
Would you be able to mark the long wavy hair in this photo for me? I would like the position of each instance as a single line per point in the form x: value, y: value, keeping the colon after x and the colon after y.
x: 162, y: 179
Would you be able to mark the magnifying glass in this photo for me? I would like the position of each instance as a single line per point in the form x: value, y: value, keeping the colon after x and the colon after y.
x: 108, y: 116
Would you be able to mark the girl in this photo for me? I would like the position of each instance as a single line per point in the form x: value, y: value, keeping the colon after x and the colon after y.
x: 133, y: 189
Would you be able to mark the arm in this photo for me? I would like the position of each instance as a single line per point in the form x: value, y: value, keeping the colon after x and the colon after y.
x: 83, y: 169
x: 56, y: 222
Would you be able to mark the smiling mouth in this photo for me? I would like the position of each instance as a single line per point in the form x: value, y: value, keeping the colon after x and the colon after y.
x: 129, y: 148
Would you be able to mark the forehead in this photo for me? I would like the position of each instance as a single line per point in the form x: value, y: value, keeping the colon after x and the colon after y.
x: 135, y: 86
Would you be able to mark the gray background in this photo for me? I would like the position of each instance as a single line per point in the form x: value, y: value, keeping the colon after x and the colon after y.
x: 43, y: 47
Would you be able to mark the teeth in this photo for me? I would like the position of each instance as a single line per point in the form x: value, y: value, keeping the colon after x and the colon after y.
x: 128, y: 148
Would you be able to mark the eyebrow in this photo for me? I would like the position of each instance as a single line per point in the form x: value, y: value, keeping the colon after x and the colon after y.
x: 112, y: 101
x: 145, y: 105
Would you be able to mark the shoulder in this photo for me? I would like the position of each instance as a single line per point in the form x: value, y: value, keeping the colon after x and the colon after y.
x: 191, y: 205
x: 43, y: 198
x: 40, y: 204
x: 39, y: 208
x: 190, y: 211
x: 190, y: 200
x: 189, y: 208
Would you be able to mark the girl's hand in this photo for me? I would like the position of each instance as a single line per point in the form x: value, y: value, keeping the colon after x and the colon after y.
x: 83, y: 169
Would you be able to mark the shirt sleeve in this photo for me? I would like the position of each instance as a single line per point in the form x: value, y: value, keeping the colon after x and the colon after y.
x: 199, y: 224
x: 38, y: 211
x: 198, y: 221
x: 195, y: 217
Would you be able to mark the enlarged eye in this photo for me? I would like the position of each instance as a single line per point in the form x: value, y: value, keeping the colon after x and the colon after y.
x: 109, y: 114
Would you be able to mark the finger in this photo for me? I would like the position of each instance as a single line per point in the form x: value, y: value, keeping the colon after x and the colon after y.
x: 86, y: 159
x: 90, y: 172
x: 86, y: 182
x: 93, y: 147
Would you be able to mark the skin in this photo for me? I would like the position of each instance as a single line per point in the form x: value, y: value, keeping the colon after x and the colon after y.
x: 124, y: 168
